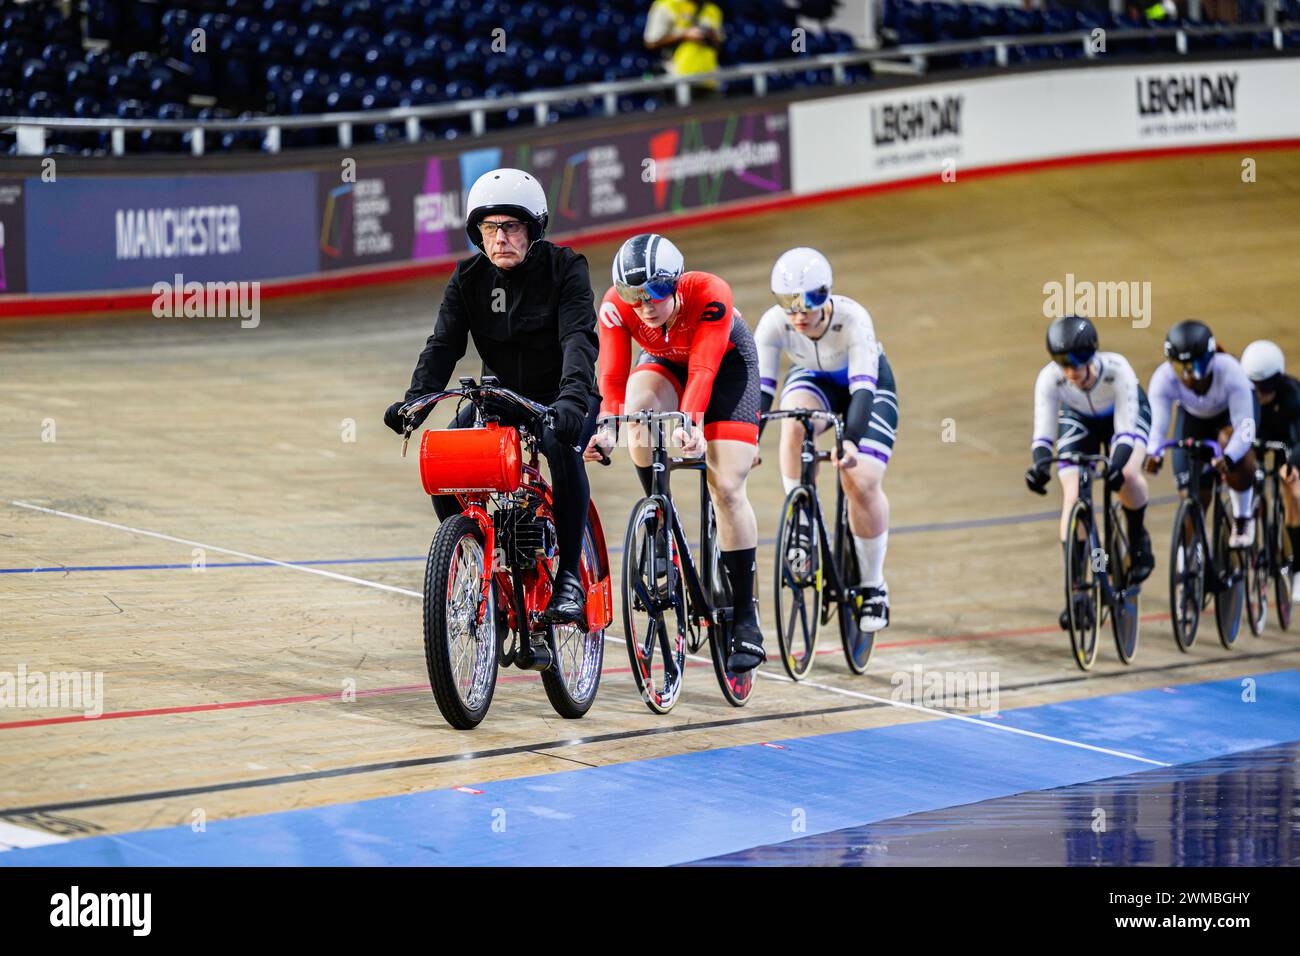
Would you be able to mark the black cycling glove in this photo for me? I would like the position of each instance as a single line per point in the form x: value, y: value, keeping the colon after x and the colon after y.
x: 398, y: 424
x: 1040, y: 472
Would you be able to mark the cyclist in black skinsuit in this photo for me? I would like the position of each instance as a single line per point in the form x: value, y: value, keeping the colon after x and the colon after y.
x: 1279, y: 420
x: 529, y: 307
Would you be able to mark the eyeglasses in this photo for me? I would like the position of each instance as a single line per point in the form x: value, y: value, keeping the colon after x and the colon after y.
x: 1072, y: 359
x: 809, y: 301
x: 655, y: 290
x: 511, y: 227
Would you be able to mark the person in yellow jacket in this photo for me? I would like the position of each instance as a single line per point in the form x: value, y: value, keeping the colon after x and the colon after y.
x: 689, y: 33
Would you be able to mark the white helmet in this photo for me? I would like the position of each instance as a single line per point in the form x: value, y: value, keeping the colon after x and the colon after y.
x: 506, y: 191
x: 801, y: 280
x: 1263, y: 360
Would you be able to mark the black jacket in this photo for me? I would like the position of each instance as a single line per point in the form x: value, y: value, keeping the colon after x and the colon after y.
x: 540, y: 341
x: 1279, y: 420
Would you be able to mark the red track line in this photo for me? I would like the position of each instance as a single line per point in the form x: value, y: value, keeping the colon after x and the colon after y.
x: 272, y: 701
x: 509, y: 678
x: 28, y: 305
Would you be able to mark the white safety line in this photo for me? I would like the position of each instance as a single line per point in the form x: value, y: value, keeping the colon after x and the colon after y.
x: 211, y: 547
x: 944, y: 713
x: 827, y: 688
x: 13, y: 837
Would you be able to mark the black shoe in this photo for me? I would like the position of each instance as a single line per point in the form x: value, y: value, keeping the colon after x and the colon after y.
x: 746, y: 647
x: 1141, y: 561
x: 568, y: 601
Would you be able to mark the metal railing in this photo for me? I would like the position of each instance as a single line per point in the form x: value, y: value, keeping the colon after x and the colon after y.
x: 32, y: 131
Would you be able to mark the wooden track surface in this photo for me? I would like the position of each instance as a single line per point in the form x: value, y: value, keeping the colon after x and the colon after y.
x: 234, y: 439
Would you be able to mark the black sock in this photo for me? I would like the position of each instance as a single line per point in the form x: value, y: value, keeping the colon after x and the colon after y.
x: 1134, y: 520
x: 1294, y: 534
x: 740, y: 572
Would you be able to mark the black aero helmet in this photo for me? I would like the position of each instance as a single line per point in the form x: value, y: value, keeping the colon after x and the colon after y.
x: 1072, y: 341
x: 1190, y: 347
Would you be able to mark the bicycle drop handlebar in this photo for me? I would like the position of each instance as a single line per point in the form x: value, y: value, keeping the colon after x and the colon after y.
x: 646, y: 418
x: 1191, y: 444
x: 810, y: 414
x: 544, y: 413
x: 1092, y: 462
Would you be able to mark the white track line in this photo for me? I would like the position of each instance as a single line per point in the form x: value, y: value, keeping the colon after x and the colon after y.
x: 212, y: 547
x: 827, y: 688
x: 13, y: 837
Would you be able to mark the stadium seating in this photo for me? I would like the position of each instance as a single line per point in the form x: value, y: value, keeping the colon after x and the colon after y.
x: 205, y: 58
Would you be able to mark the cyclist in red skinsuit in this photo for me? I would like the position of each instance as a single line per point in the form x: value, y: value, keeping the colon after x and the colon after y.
x: 698, y: 340
x: 698, y: 356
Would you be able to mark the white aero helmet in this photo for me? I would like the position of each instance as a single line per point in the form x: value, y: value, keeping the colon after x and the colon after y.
x: 801, y: 280
x: 1263, y: 361
x: 510, y: 192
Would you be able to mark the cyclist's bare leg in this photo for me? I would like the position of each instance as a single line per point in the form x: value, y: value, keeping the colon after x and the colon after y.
x: 729, y: 463
x: 1240, y: 480
x: 1291, y: 513
x: 1069, y: 493
x: 646, y: 391
x: 868, y: 505
x: 792, y: 432
x: 1133, y: 493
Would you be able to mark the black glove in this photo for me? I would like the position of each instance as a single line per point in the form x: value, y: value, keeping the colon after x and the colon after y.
x: 1040, y: 472
x: 398, y: 424
x: 505, y: 410
x: 1115, y: 467
x: 569, y: 421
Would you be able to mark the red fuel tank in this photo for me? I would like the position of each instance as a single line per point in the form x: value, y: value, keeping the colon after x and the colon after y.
x: 470, y: 459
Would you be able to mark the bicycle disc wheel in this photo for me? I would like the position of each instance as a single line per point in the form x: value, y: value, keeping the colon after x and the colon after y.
x: 654, y: 608
x: 857, y: 643
x: 1230, y: 599
x: 736, y: 687
x: 1186, y: 577
x: 460, y: 641
x: 572, y: 682
x: 1256, y: 563
x: 1082, y: 588
x: 1282, y: 563
x: 799, y: 583
x: 1124, y: 609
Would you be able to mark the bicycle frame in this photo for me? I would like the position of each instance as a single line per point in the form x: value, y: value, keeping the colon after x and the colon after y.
x: 1086, y: 465
x: 525, y: 590
x: 701, y: 609
x: 809, y: 456
x: 1197, y: 449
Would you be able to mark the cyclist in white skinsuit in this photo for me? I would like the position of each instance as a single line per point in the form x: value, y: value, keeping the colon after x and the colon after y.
x: 1215, y: 396
x: 1088, y: 399
x: 836, y: 365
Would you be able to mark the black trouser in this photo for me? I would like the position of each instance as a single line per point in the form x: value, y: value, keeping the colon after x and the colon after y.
x: 569, y: 487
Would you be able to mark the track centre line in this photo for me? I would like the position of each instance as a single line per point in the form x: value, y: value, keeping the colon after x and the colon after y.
x: 211, y: 547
